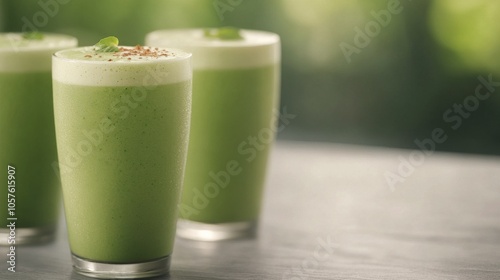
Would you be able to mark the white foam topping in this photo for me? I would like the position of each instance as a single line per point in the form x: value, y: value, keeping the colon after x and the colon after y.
x: 257, y: 48
x: 18, y: 54
x: 131, y: 66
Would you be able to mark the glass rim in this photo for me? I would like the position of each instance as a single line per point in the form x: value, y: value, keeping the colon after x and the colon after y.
x: 57, y: 41
x: 184, y: 56
x: 270, y: 38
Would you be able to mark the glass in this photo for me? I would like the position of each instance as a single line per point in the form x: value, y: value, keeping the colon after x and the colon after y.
x: 30, y: 196
x: 235, y: 95
x: 122, y: 126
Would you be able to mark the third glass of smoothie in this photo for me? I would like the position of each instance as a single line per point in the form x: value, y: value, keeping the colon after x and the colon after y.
x: 235, y: 95
x: 29, y: 192
x: 122, y: 123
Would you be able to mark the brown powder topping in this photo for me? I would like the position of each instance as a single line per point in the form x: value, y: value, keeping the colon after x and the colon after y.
x: 141, y: 51
x: 138, y: 51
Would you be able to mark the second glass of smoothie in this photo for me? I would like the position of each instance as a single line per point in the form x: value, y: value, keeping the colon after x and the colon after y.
x: 122, y: 124
x: 236, y: 77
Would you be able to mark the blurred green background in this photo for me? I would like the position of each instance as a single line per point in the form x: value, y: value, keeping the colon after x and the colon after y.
x: 408, y: 63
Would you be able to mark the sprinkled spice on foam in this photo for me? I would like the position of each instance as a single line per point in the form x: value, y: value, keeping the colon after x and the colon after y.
x: 110, y: 45
x: 137, y: 51
x: 141, y: 51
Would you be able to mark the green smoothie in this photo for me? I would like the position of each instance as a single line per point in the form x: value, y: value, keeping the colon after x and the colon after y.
x: 235, y: 94
x: 27, y: 140
x: 227, y: 114
x: 122, y: 124
x: 28, y: 143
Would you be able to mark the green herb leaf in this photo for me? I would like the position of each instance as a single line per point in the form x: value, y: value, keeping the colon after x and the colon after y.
x: 108, y: 44
x: 33, y: 35
x: 224, y: 33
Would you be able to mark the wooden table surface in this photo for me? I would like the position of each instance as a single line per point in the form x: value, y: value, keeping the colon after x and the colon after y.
x: 329, y: 213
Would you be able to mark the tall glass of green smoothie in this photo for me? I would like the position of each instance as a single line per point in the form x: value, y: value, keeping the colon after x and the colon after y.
x: 29, y: 192
x: 235, y: 94
x: 122, y: 123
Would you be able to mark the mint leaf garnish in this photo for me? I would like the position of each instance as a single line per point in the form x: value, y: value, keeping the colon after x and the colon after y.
x: 33, y: 35
x: 223, y: 33
x: 108, y: 44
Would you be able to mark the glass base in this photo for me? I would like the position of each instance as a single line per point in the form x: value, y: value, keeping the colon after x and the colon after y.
x: 27, y: 236
x: 121, y: 271
x: 215, y: 232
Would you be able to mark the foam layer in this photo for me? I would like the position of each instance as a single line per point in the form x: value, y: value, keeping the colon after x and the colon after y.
x: 144, y: 67
x: 257, y: 48
x: 22, y: 55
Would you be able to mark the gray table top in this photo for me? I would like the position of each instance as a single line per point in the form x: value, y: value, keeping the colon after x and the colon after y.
x: 329, y: 213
